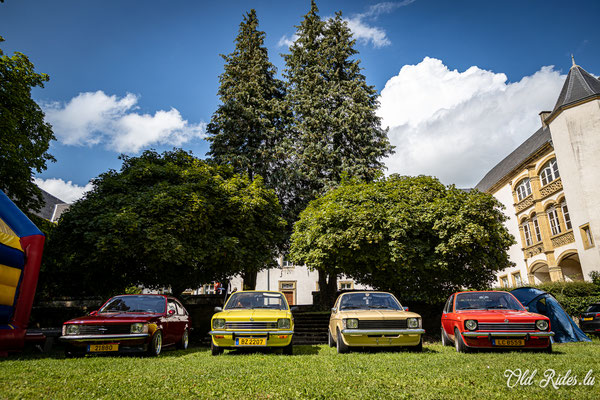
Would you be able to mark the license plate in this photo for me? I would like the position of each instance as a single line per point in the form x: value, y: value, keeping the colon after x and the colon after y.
x: 509, y: 342
x: 588, y: 319
x: 250, y: 341
x: 94, y: 348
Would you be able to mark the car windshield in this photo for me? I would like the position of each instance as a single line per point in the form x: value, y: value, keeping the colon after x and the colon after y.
x: 593, y: 308
x: 368, y: 301
x: 487, y: 301
x: 149, y: 304
x: 252, y: 300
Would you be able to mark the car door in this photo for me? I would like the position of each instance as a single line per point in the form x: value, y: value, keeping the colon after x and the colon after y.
x: 171, y: 325
x: 447, y: 317
x: 334, y: 318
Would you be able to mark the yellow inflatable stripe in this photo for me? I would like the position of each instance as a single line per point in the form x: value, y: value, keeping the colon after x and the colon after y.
x: 7, y: 295
x: 4, y: 228
x: 9, y: 276
x: 10, y: 241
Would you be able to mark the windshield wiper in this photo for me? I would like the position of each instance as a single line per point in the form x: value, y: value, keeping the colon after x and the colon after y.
x: 472, y: 308
x: 385, y: 307
x: 351, y: 307
x: 493, y: 307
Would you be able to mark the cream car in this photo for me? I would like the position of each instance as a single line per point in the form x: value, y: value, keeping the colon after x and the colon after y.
x: 373, y: 319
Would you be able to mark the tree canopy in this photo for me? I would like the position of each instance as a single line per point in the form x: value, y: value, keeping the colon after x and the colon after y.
x: 24, y: 136
x: 409, y: 235
x: 163, y: 220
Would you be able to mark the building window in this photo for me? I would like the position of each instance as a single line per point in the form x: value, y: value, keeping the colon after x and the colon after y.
x: 536, y: 229
x: 346, y: 285
x: 553, y: 218
x: 523, y: 189
x: 549, y: 172
x: 504, y: 281
x: 287, y: 264
x: 566, y: 215
x: 287, y: 285
x: 517, y: 279
x: 527, y: 233
x: 586, y: 236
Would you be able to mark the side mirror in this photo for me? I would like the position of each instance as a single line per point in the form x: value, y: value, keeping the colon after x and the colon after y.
x: 92, y: 313
x: 405, y: 308
x: 333, y: 310
x: 218, y: 309
x: 171, y: 312
x: 527, y: 308
x: 294, y: 309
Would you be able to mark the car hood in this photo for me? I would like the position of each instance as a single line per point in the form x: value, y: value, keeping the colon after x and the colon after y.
x: 115, y: 318
x: 258, y: 314
x: 500, y: 315
x: 378, y: 314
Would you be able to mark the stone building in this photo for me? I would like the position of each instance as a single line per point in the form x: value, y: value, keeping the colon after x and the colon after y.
x: 549, y: 186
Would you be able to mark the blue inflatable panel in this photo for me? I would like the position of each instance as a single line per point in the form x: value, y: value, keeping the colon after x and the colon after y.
x: 6, y: 313
x: 15, y: 219
x: 11, y: 257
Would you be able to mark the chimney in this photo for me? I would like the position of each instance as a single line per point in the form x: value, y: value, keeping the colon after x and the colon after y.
x: 544, y: 115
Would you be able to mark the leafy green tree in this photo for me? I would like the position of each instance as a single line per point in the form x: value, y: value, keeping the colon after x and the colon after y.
x: 24, y: 136
x: 409, y: 235
x: 247, y: 130
x: 164, y: 220
x: 335, y: 131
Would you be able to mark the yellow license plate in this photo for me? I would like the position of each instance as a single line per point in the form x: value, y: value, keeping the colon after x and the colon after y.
x: 103, y: 347
x: 509, y: 342
x: 251, y: 341
x: 588, y: 319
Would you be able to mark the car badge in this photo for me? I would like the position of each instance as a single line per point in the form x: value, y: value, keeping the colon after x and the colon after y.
x: 251, y: 319
x: 103, y: 329
x: 505, y: 321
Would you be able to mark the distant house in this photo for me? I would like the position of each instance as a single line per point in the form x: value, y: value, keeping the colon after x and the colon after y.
x: 549, y: 186
x: 53, y: 207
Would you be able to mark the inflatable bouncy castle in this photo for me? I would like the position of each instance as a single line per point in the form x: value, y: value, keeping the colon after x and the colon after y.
x: 21, y: 246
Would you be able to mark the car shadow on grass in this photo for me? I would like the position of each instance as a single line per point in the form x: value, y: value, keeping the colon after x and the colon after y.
x: 425, y: 350
x: 298, y: 350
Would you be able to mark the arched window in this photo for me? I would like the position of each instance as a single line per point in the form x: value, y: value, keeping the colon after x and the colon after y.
x: 523, y: 189
x: 566, y: 215
x: 549, y: 172
x: 553, y: 218
x: 536, y: 229
x: 527, y: 233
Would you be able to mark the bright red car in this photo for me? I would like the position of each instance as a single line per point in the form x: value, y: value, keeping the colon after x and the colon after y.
x: 129, y: 323
x: 493, y: 319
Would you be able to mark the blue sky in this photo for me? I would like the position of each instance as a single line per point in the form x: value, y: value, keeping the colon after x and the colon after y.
x: 461, y: 82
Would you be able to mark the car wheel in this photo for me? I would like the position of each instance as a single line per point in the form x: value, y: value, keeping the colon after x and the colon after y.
x: 70, y: 352
x: 288, y: 350
x: 445, y: 339
x: 418, y: 348
x: 330, y: 340
x: 214, y: 349
x: 459, y: 344
x: 155, y: 344
x: 341, y: 346
x: 184, y: 342
x: 549, y: 348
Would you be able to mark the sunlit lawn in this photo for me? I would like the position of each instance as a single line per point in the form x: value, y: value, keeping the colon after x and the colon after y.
x: 313, y: 372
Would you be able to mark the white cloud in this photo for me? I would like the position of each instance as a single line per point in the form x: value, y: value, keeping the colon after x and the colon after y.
x: 365, y: 33
x: 287, y: 41
x: 93, y: 118
x: 65, y: 191
x: 458, y: 125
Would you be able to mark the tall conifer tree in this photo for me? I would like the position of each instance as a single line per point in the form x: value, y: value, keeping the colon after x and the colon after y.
x: 335, y: 130
x: 247, y: 129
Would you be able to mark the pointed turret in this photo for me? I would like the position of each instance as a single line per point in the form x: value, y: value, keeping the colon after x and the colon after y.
x: 579, y: 87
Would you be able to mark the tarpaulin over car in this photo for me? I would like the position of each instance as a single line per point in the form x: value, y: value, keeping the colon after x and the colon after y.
x: 564, y: 328
x: 21, y: 245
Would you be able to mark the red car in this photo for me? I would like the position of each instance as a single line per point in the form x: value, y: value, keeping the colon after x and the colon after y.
x: 493, y: 319
x: 129, y: 323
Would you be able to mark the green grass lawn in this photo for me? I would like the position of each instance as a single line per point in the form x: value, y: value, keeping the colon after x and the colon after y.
x: 314, y: 372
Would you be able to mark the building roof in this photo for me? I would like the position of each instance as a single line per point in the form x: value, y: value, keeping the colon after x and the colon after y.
x: 50, y: 204
x: 578, y: 86
x: 514, y: 159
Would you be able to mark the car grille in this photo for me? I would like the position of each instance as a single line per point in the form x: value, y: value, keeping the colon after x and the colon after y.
x: 104, y: 329
x: 251, y: 325
x: 382, y: 324
x: 490, y: 326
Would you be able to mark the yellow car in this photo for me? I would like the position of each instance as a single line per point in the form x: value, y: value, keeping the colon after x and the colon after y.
x: 253, y: 319
x: 373, y: 319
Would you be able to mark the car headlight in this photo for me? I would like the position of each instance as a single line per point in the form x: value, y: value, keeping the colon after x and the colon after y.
x: 412, y: 323
x: 139, y: 327
x: 541, y: 324
x: 351, y: 323
x: 72, y: 329
x: 218, y: 323
x: 283, y: 323
x: 471, y: 324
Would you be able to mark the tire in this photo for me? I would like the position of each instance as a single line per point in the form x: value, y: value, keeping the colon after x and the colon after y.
x: 330, y: 340
x: 445, y: 339
x: 418, y: 348
x: 341, y: 346
x: 184, y: 341
x: 155, y: 346
x: 549, y: 348
x: 70, y: 352
x: 288, y: 350
x: 214, y: 349
x: 459, y: 344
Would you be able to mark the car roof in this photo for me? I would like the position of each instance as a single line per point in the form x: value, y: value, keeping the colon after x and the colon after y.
x: 483, y: 291
x: 257, y: 291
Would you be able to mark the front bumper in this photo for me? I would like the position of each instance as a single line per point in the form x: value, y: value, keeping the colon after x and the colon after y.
x: 226, y: 339
x: 382, y: 337
x: 102, y: 338
x: 508, y: 334
x: 532, y: 340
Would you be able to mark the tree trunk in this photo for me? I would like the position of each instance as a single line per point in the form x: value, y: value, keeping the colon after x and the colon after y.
x: 327, y: 290
x: 249, y: 280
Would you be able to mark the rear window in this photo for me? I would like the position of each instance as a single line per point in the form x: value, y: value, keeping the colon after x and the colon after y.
x: 593, y: 308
